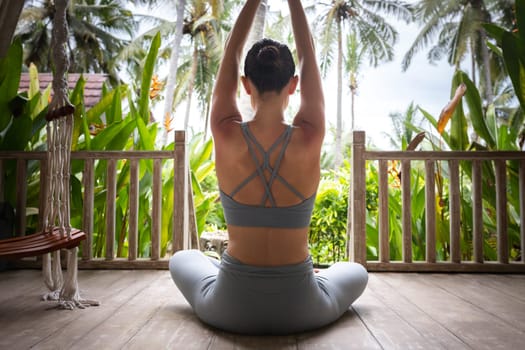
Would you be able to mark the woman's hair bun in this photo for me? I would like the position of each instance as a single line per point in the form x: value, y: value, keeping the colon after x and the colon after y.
x: 268, y: 55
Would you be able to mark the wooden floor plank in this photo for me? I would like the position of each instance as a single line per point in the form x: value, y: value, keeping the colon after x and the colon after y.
x: 172, y: 324
x: 127, y: 320
x: 508, y: 309
x: 512, y: 286
x: 397, y: 324
x: 40, y: 327
x: 13, y: 284
x: 264, y: 342
x: 112, y: 297
x: 397, y: 300
x: 347, y: 333
x: 476, y: 328
x: 27, y: 320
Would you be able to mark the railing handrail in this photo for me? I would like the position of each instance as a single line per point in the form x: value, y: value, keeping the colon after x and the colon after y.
x: 99, y: 154
x: 443, y: 155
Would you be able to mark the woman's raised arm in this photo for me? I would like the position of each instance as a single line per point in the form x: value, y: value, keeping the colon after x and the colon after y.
x: 224, y: 101
x: 311, y: 111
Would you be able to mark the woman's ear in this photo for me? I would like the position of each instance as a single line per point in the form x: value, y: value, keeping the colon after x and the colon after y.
x: 292, y: 85
x: 246, y: 84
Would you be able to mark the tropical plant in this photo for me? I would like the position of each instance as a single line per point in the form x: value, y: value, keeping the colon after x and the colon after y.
x: 327, y: 235
x: 99, y: 29
x: 404, y: 127
x: 22, y: 120
x: 204, y: 184
x: 375, y: 34
x: 511, y: 46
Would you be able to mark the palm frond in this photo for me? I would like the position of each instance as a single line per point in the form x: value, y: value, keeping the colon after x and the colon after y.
x: 423, y: 39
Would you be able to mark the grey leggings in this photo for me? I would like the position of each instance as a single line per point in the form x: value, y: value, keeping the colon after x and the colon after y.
x: 249, y: 299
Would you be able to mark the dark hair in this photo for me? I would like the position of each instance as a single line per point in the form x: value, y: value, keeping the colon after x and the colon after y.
x: 269, y: 65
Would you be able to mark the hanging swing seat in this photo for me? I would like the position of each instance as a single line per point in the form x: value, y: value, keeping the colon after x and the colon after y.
x: 39, y: 243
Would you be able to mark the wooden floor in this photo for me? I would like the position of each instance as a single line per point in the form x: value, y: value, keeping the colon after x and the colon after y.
x: 144, y: 310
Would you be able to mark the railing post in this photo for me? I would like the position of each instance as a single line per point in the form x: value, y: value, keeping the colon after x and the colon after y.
x: 133, y: 209
x: 406, y: 204
x: 180, y: 200
x: 88, y: 179
x: 111, y: 195
x: 501, y: 211
x: 455, y: 211
x: 522, y: 207
x: 430, y: 210
x: 42, y: 196
x: 477, y: 211
x: 357, y: 200
x: 384, y: 244
x: 156, y: 213
x: 21, y: 196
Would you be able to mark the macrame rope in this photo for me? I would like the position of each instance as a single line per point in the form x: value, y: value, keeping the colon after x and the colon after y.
x: 59, y: 130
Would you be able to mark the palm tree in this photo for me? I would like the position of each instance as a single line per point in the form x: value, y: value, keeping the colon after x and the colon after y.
x: 203, y: 29
x: 458, y: 26
x: 405, y: 126
x: 172, y: 73
x: 99, y: 29
x: 354, y: 61
x: 375, y: 34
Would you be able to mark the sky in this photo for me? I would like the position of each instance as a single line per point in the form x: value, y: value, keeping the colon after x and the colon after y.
x: 388, y: 89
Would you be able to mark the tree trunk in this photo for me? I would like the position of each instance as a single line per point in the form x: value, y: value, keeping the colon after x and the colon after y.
x: 9, y: 14
x: 489, y: 95
x: 339, y: 123
x: 172, y: 74
x: 207, y: 115
x: 256, y: 33
x: 191, y: 85
x: 352, y: 95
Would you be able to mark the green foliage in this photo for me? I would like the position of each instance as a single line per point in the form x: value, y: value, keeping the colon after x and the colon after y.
x: 22, y: 118
x: 511, y: 46
x: 202, y: 168
x: 327, y: 236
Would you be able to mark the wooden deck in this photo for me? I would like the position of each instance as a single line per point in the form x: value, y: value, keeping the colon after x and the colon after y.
x: 142, y: 309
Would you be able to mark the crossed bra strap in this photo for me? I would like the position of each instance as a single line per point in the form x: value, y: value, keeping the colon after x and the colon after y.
x: 254, y: 146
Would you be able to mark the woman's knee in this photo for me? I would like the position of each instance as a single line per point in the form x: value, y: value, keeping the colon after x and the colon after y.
x: 350, y: 278
x: 182, y: 258
x: 361, y: 275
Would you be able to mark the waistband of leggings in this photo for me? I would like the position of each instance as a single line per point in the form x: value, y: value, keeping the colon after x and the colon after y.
x: 230, y: 263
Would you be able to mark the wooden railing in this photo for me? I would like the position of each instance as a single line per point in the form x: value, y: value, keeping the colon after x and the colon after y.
x: 184, y: 233
x: 357, y: 209
x: 184, y: 228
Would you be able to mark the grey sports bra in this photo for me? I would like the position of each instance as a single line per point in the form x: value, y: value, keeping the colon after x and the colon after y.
x: 239, y: 214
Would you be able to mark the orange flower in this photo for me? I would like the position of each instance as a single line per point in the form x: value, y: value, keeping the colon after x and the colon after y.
x: 156, y: 87
x: 394, y: 173
x: 446, y: 113
x: 167, y: 122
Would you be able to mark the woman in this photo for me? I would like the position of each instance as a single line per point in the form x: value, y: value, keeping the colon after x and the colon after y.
x: 268, y: 173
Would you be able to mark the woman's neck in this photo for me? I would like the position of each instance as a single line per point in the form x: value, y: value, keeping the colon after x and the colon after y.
x: 269, y: 108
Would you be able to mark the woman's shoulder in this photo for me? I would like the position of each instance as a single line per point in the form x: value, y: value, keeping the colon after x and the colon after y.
x: 308, y: 133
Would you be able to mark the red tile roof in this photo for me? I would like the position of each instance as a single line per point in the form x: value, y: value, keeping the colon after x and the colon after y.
x: 92, y: 88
